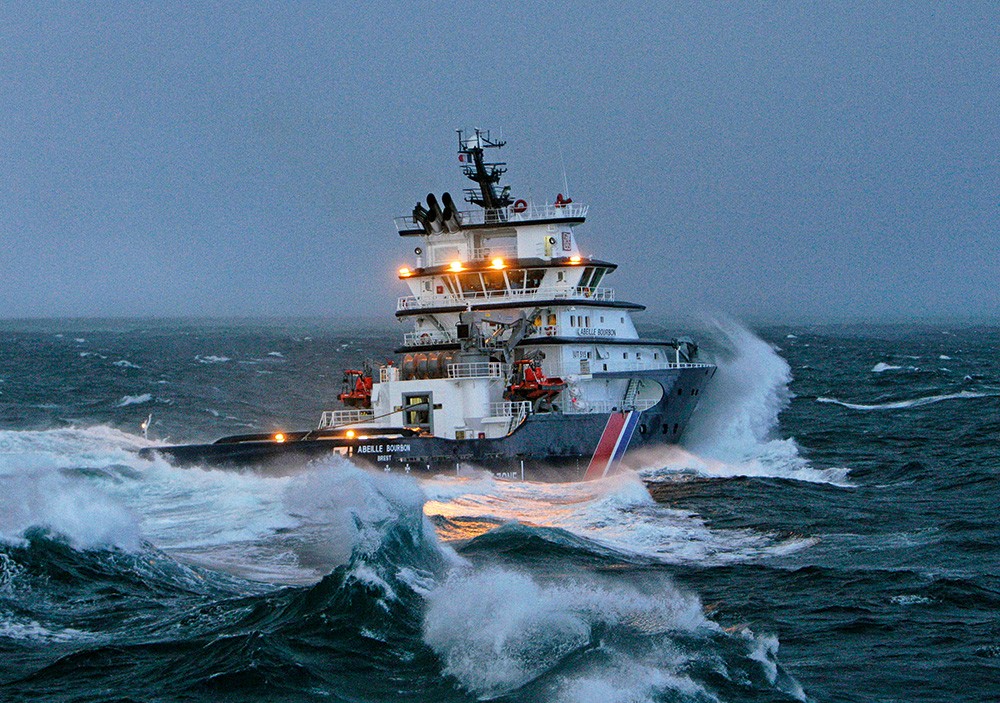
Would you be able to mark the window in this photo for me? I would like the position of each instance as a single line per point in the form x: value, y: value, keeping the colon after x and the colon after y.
x: 656, y: 355
x: 585, y: 278
x: 494, y: 281
x: 471, y: 283
x: 534, y: 277
x: 624, y: 355
x: 598, y: 275
x: 417, y: 411
x: 586, y: 321
x: 552, y: 320
x: 572, y: 320
x: 516, y: 278
x: 561, y: 276
x: 602, y: 318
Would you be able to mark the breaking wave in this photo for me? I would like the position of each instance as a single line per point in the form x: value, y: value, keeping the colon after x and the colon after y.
x: 370, y: 579
x: 135, y: 399
x: 733, y: 431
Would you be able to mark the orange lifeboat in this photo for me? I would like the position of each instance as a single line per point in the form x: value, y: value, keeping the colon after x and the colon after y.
x: 357, y: 389
x: 530, y: 383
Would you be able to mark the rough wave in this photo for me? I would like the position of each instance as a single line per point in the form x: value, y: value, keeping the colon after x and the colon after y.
x: 135, y: 399
x: 908, y: 403
x: 496, y: 628
x: 733, y: 431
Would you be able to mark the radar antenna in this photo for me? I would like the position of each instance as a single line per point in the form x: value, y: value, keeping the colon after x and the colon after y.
x: 485, y: 174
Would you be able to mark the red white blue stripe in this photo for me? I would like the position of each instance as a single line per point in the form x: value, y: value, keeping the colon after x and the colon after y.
x: 613, y: 443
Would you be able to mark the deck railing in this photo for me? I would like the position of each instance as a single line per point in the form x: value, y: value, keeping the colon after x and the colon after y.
x: 475, y: 369
x: 505, y: 216
x: 338, y: 418
x: 418, y: 339
x: 413, y: 302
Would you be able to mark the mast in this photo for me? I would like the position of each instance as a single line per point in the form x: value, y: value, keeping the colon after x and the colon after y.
x: 471, y: 154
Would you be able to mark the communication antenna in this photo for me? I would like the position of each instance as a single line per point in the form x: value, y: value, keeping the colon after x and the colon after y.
x: 562, y: 161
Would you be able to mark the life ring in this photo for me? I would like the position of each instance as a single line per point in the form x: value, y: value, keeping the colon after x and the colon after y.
x: 520, y: 206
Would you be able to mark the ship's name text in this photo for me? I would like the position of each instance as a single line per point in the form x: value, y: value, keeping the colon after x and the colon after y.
x: 596, y: 332
x: 381, y: 448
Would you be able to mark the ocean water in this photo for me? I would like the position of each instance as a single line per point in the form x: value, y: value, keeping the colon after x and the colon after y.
x: 827, y: 532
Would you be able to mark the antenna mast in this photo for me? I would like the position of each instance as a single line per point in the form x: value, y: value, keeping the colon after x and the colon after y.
x: 485, y: 174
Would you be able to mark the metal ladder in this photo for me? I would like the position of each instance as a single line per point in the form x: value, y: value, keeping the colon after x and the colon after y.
x: 628, y: 402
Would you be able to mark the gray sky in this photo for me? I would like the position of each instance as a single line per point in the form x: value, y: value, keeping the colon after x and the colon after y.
x: 769, y: 161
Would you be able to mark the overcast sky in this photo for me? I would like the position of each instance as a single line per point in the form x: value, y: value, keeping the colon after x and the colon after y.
x: 766, y: 161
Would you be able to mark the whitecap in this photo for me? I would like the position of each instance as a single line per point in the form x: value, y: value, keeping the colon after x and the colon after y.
x: 908, y: 403
x: 125, y: 364
x: 212, y: 359
x: 134, y: 400
x: 882, y: 367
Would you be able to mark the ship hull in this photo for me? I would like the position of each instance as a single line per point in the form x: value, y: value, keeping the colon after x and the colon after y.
x: 545, y: 447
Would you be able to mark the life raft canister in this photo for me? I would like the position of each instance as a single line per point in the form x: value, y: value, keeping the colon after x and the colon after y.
x: 520, y: 206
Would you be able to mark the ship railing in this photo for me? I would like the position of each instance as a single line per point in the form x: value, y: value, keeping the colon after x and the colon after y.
x: 588, y: 407
x: 475, y: 369
x: 338, y: 418
x: 510, y: 412
x: 655, y: 366
x: 417, y: 302
x: 490, y: 253
x: 418, y: 339
x: 510, y: 408
x: 505, y: 216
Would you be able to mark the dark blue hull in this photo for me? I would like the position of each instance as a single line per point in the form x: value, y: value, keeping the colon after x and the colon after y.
x: 545, y: 447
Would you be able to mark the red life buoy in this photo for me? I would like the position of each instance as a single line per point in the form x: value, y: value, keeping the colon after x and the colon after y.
x: 520, y: 206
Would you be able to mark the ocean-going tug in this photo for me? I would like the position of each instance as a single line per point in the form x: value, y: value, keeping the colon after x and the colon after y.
x: 520, y: 360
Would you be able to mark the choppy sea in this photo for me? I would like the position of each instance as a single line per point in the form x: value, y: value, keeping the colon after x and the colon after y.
x: 827, y: 532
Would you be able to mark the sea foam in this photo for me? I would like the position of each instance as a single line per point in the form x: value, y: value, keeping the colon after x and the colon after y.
x: 733, y: 431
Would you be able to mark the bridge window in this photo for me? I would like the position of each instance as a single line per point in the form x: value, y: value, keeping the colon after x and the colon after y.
x: 471, y: 283
x: 534, y: 277
x: 494, y: 281
x: 516, y: 278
